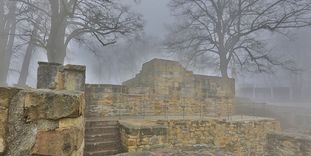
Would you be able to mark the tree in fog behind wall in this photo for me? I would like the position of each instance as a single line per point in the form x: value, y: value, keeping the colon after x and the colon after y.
x: 227, y: 31
x: 7, y: 29
x: 66, y: 20
x: 50, y: 25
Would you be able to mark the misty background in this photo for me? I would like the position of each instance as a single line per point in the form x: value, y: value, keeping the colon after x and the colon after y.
x: 121, y: 61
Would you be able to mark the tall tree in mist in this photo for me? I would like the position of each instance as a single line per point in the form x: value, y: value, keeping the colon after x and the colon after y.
x: 7, y: 31
x: 226, y: 30
x: 103, y: 20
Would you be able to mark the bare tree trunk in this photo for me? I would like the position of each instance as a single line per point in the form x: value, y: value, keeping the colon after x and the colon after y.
x: 224, y: 67
x: 2, y: 44
x: 26, y: 63
x: 56, y: 49
x: 223, y: 64
x: 7, y: 31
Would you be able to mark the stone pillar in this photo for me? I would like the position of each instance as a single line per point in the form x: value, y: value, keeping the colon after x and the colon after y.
x: 71, y: 77
x: 46, y: 76
x: 58, y: 77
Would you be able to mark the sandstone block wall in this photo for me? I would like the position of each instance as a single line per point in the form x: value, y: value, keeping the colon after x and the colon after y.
x: 239, y: 136
x: 41, y: 122
x: 105, y: 100
x: 288, y: 144
x: 142, y: 137
x: 164, y: 87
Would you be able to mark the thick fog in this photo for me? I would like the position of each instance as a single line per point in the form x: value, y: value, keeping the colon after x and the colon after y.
x: 121, y: 61
x: 156, y: 29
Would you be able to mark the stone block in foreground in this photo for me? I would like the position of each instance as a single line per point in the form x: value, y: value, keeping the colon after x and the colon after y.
x: 51, y: 105
x: 41, y: 122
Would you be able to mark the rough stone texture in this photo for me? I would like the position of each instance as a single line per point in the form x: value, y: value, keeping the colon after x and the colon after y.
x: 44, y: 104
x: 105, y: 100
x: 71, y: 77
x: 239, y: 136
x: 46, y: 75
x: 164, y: 87
x: 139, y: 136
x: 61, y: 142
x: 288, y: 144
x: 194, y: 150
x: 39, y: 122
x: 59, y: 77
x: 6, y: 94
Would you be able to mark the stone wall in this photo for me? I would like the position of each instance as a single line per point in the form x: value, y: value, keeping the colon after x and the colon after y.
x: 288, y: 144
x: 105, y: 100
x: 241, y: 136
x: 139, y: 136
x: 164, y: 87
x: 41, y: 122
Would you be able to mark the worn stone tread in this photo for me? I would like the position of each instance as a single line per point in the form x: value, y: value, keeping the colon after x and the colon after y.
x: 101, y: 153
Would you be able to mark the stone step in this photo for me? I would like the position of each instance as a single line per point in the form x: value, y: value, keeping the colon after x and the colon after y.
x: 102, y: 126
x: 102, y: 153
x: 97, y: 123
x: 102, y: 137
x: 101, y: 146
x: 102, y: 130
x: 92, y: 115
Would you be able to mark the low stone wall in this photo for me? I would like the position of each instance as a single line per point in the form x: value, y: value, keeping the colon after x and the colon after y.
x: 239, y: 136
x: 288, y: 144
x: 41, y: 122
x: 139, y: 136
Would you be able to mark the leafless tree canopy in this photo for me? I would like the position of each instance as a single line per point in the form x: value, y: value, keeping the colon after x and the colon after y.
x: 227, y: 30
x: 60, y: 21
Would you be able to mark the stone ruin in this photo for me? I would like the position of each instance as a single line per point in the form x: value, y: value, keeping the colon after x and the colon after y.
x: 164, y: 87
x: 164, y: 106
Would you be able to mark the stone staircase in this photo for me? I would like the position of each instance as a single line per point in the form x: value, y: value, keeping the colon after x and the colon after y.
x: 102, y: 138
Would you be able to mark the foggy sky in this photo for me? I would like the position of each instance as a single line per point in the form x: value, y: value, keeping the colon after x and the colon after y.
x: 156, y: 15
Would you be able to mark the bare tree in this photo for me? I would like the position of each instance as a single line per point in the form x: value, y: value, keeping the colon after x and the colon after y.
x: 65, y: 20
x: 7, y: 28
x: 27, y: 58
x: 227, y: 30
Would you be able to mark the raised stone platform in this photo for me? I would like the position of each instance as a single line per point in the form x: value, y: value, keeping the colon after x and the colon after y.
x: 288, y: 144
x: 239, y: 135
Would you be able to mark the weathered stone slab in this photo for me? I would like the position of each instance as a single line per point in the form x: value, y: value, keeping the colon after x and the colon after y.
x: 52, y: 105
x: 61, y: 142
x: 46, y: 77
